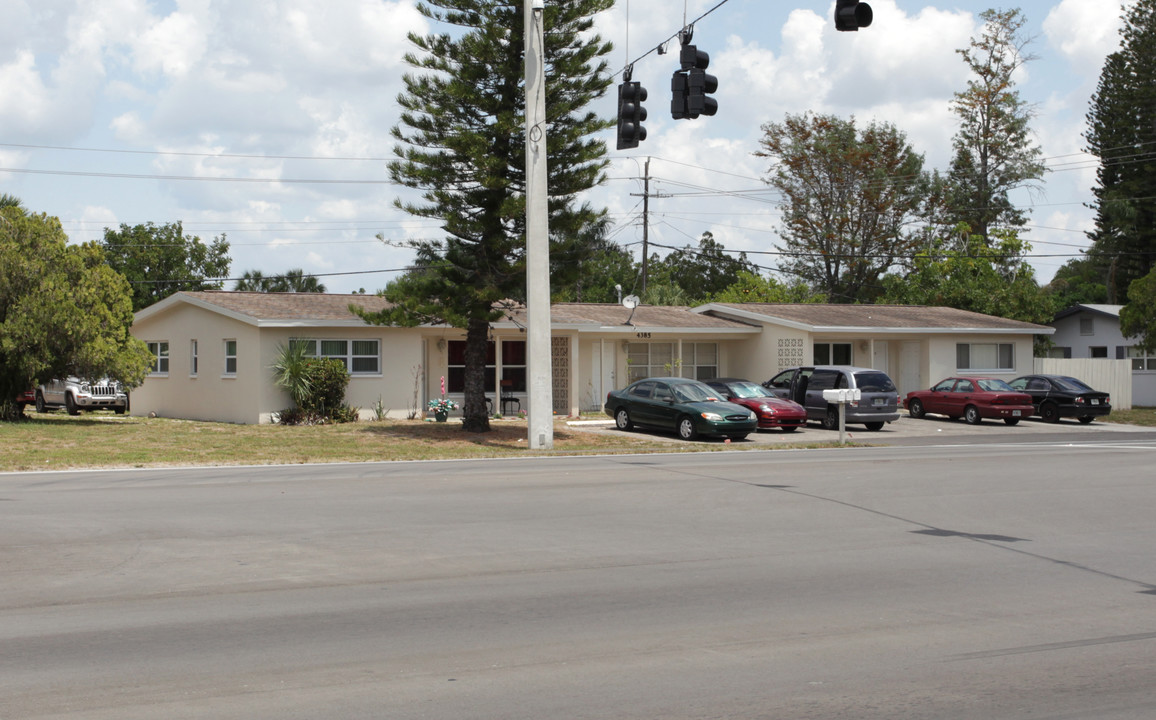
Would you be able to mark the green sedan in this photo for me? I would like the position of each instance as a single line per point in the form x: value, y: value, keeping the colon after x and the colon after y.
x: 689, y: 407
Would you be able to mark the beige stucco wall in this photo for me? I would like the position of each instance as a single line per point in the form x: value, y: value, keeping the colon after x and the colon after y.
x: 941, y: 357
x: 209, y: 395
x: 251, y: 396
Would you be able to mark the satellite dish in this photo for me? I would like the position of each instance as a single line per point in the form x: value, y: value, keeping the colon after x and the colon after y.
x: 630, y: 302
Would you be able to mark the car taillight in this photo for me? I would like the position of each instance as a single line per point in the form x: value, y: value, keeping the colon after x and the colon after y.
x: 1079, y: 401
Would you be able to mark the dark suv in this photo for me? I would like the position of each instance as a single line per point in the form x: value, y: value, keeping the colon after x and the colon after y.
x: 878, y: 402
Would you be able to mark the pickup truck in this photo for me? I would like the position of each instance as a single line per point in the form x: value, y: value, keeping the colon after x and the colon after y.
x: 74, y: 394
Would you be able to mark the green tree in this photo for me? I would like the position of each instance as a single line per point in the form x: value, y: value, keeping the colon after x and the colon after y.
x: 294, y: 280
x: 10, y: 201
x: 461, y: 143
x: 1080, y: 280
x: 601, y: 266
x: 994, y: 149
x: 159, y: 260
x: 990, y: 276
x: 700, y: 271
x: 1120, y: 133
x: 850, y: 198
x: 1138, y: 317
x: 63, y: 310
x: 751, y: 287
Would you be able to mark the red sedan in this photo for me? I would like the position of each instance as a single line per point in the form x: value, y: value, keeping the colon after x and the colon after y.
x: 973, y: 399
x: 773, y: 412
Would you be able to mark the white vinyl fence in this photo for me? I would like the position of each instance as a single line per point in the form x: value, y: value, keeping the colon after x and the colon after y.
x: 1111, y: 376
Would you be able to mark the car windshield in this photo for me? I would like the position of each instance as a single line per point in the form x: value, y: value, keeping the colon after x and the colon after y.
x: 694, y: 392
x: 874, y: 382
x: 993, y: 385
x: 1072, y: 384
x: 748, y: 390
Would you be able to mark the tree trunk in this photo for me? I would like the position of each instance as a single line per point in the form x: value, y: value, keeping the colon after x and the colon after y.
x: 474, y: 417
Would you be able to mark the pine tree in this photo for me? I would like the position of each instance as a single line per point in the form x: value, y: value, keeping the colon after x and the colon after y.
x: 461, y: 143
x: 994, y: 150
x: 1122, y: 133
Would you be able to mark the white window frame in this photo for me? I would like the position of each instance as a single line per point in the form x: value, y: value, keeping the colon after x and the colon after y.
x: 1145, y: 360
x: 160, y: 352
x: 695, y: 365
x: 229, y: 356
x: 313, y: 347
x: 831, y: 353
x: 1000, y: 349
x: 647, y: 359
x: 194, y: 360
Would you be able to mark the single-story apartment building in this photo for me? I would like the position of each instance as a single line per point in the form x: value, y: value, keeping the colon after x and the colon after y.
x: 1092, y: 331
x: 213, y: 350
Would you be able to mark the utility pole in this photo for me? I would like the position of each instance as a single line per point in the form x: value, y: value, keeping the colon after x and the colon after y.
x: 645, y: 223
x: 540, y: 421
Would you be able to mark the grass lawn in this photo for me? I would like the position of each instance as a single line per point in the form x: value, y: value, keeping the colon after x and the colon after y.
x: 56, y: 441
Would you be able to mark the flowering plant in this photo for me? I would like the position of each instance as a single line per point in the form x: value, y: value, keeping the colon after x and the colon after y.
x: 442, y: 405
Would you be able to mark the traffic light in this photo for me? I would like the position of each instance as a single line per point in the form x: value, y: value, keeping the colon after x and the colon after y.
x: 631, y: 114
x: 850, y: 15
x: 691, y: 84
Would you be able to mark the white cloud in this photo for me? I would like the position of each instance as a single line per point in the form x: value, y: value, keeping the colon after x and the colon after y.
x: 1084, y: 31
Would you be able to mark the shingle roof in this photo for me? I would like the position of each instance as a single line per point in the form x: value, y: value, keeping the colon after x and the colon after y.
x: 875, y: 316
x: 317, y: 308
x: 609, y: 315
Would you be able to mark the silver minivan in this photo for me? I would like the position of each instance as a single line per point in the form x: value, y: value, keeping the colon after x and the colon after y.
x: 878, y: 401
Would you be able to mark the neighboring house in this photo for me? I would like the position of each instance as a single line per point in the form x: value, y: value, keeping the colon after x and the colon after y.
x: 213, y: 350
x: 1093, y: 332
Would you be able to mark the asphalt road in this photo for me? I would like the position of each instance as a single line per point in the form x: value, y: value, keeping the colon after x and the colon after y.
x: 972, y: 581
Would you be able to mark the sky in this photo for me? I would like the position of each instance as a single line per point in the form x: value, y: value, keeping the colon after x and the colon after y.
x: 269, y: 121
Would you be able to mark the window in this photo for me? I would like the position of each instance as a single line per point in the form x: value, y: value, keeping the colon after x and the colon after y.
x: 1141, y: 360
x: 832, y: 353
x: 160, y: 353
x: 513, y: 366
x: 1099, y: 351
x: 700, y: 360
x: 1087, y: 326
x: 360, y: 357
x: 193, y: 358
x: 964, y: 386
x: 985, y: 356
x: 230, y: 357
x: 649, y: 360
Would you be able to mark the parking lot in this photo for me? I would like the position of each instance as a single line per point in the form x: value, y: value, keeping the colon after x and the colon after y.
x: 908, y: 431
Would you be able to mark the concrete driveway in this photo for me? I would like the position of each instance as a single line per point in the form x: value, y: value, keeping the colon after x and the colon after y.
x: 908, y: 431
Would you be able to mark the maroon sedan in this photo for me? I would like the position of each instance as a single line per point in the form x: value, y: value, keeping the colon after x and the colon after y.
x: 773, y: 412
x: 973, y: 399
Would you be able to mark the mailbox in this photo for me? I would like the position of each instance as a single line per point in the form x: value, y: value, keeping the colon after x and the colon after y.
x: 842, y: 396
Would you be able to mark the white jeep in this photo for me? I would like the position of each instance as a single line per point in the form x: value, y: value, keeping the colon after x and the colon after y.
x: 74, y: 395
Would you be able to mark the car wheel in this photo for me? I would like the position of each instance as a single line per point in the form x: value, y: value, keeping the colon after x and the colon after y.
x: 40, y: 406
x: 1050, y: 412
x: 873, y: 426
x: 622, y: 419
x: 70, y: 404
x: 915, y: 409
x: 789, y: 428
x: 830, y: 421
x: 971, y: 415
x: 119, y: 410
x: 1011, y: 421
x: 1086, y: 419
x: 686, y: 428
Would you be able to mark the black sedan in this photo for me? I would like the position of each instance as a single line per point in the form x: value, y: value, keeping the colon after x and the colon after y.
x: 686, y: 406
x: 1057, y: 396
